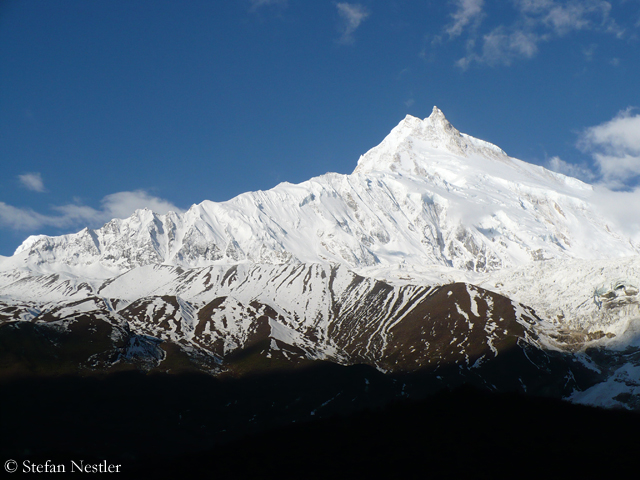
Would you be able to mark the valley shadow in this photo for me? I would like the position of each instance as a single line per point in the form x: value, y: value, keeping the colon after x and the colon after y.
x: 311, y: 420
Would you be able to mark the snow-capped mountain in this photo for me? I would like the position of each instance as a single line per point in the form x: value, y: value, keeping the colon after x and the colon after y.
x: 427, y: 195
x: 438, y: 251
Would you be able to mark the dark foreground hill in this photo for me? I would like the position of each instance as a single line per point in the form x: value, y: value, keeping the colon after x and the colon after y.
x: 324, y: 422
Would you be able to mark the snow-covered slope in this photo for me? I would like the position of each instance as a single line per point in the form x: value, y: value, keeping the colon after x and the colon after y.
x: 427, y: 195
x: 438, y: 249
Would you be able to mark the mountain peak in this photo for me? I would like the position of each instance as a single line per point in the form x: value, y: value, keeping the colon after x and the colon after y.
x: 436, y: 122
x: 436, y: 113
x: 413, y: 140
x: 440, y: 122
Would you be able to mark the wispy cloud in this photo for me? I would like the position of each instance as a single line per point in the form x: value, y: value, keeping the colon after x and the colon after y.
x: 562, y: 19
x: 589, y: 52
x: 615, y: 147
x: 32, y: 181
x: 583, y: 172
x: 563, y: 15
x: 257, y: 4
x: 538, y: 21
x: 22, y: 218
x: 351, y: 16
x: 502, y: 46
x: 468, y: 12
x: 116, y: 205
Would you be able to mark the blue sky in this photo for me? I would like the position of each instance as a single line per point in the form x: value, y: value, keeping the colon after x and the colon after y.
x: 108, y: 106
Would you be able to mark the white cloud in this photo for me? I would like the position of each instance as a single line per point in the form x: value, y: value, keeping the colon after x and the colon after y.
x: 351, y: 15
x: 622, y: 133
x: 620, y: 208
x: 32, y: 181
x: 577, y: 171
x: 615, y: 147
x: 123, y: 204
x: 116, y: 205
x: 468, y: 11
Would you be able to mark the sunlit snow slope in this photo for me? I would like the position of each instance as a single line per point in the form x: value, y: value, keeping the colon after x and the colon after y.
x: 427, y: 195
